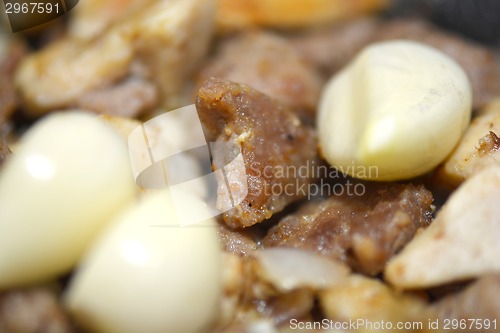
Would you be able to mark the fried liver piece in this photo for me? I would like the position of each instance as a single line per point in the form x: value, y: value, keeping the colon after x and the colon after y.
x: 478, y: 301
x: 35, y: 310
x: 331, y: 49
x: 272, y: 140
x: 270, y: 64
x: 363, y: 231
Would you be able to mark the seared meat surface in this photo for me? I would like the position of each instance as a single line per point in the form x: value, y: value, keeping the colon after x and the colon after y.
x: 269, y: 64
x: 272, y: 140
x: 363, y: 231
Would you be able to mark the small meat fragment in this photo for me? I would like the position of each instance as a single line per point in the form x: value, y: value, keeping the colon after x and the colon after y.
x: 92, y: 17
x: 478, y: 149
x: 127, y: 99
x: 268, y: 63
x: 11, y: 53
x: 4, y: 151
x: 369, y: 301
x: 478, y: 301
x: 363, y: 231
x: 272, y: 140
x: 34, y: 310
x: 460, y: 244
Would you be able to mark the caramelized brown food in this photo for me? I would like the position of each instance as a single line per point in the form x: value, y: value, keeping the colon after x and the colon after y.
x: 36, y: 310
x: 478, y: 301
x: 9, y: 59
x: 236, y: 242
x: 273, y: 141
x: 332, y: 49
x: 363, y: 231
x: 4, y: 151
x: 268, y: 63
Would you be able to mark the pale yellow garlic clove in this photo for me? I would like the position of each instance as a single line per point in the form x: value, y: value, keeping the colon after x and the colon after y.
x: 69, y: 176
x: 148, y: 274
x: 395, y: 112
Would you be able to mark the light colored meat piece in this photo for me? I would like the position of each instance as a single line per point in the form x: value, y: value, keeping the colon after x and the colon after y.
x: 478, y: 149
x: 11, y: 53
x: 478, y: 301
x: 460, y: 244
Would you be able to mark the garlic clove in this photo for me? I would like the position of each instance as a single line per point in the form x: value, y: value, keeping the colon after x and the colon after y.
x: 400, y: 107
x: 70, y: 175
x: 148, y: 274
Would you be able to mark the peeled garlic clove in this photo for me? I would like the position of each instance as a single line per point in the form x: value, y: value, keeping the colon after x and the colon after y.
x: 70, y: 174
x: 395, y: 112
x: 148, y: 274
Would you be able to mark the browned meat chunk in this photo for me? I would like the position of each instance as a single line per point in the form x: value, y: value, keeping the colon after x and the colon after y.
x: 364, y: 231
x: 267, y: 63
x: 272, y: 141
x: 332, y: 49
x: 236, y: 242
x: 4, y: 151
x: 14, y: 52
x: 478, y: 301
x: 127, y: 99
x: 35, y: 310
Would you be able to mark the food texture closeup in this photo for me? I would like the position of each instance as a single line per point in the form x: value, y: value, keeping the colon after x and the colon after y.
x: 250, y: 166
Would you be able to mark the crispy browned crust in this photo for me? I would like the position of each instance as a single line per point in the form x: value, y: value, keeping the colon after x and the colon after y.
x: 269, y: 136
